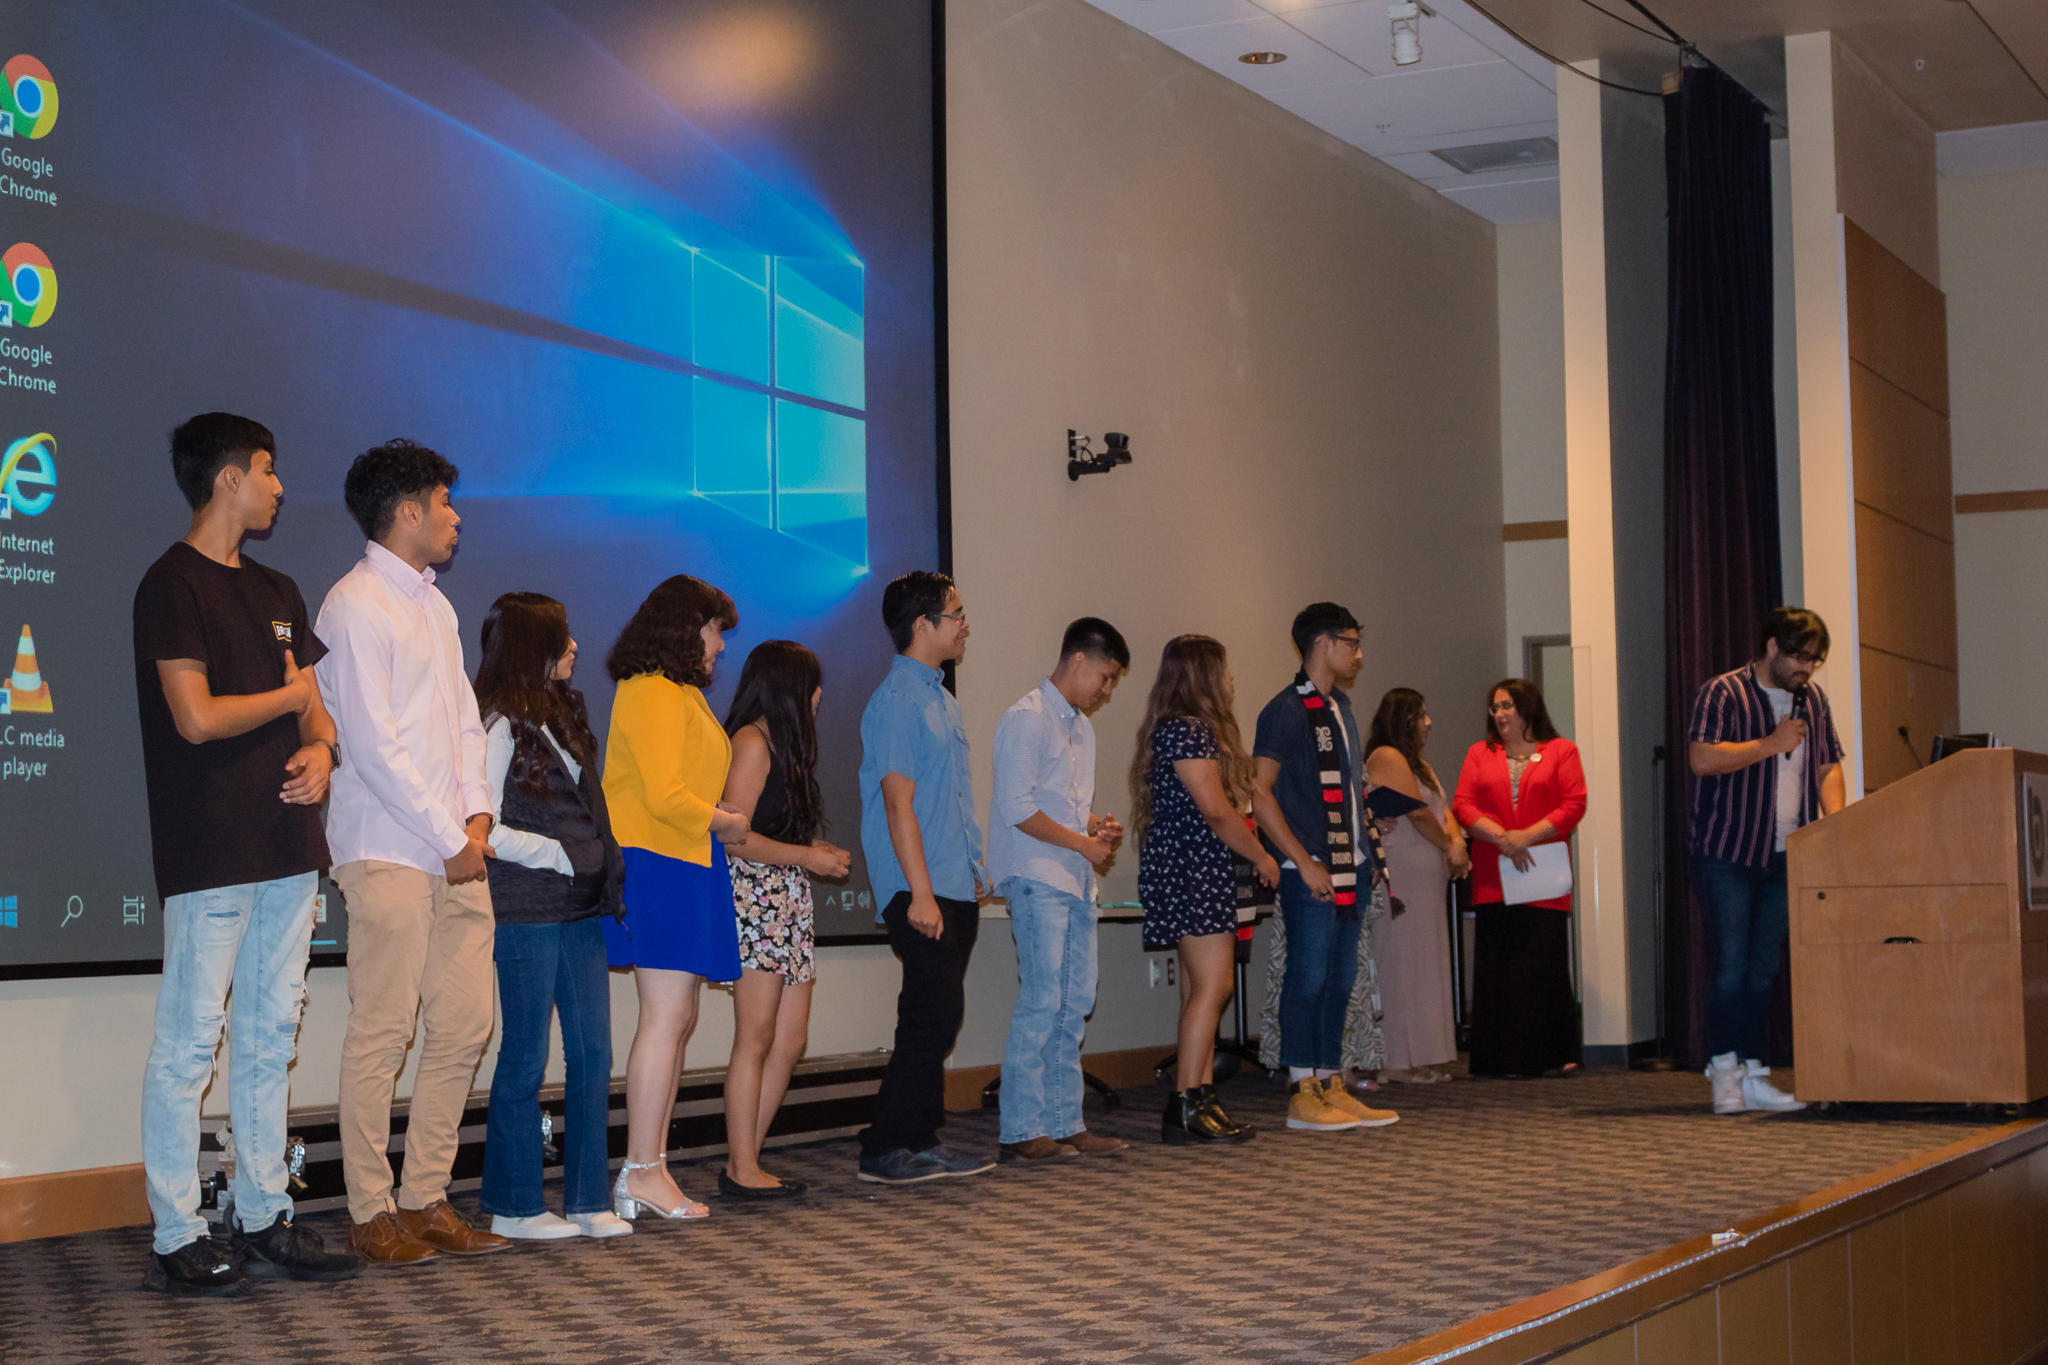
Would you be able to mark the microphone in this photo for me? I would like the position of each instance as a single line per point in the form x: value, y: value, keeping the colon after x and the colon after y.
x: 1798, y: 709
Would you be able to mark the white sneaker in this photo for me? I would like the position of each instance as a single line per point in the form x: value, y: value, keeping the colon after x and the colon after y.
x: 1759, y: 1093
x: 1726, y: 1074
x: 603, y: 1223
x: 540, y: 1227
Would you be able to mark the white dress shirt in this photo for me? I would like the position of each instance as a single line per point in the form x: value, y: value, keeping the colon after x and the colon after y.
x: 522, y: 846
x: 1044, y: 761
x: 412, y: 743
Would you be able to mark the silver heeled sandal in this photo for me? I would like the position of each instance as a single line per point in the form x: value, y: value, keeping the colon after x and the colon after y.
x: 628, y: 1206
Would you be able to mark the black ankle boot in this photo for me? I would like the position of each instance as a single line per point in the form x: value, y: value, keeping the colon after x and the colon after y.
x: 1205, y: 1097
x: 1186, y: 1121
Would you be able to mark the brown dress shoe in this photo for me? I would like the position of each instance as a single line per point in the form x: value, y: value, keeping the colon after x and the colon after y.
x: 1038, y: 1149
x: 442, y: 1227
x: 384, y: 1241
x: 1092, y: 1144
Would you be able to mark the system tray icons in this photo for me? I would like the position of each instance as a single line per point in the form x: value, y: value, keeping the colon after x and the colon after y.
x: 25, y: 689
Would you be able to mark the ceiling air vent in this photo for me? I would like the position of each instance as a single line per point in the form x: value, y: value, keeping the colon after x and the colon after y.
x: 1501, y: 156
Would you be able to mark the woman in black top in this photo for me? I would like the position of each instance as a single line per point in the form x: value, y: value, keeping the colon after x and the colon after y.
x: 1191, y: 783
x: 554, y: 871
x: 773, y: 781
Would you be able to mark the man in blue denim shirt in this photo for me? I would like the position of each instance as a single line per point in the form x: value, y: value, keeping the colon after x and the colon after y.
x: 1045, y: 842
x: 923, y: 849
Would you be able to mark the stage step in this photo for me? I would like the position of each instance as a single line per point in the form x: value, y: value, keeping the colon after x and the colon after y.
x: 828, y: 1097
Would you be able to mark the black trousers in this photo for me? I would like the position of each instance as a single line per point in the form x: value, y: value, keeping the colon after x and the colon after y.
x: 911, y: 1105
x: 1524, y: 1020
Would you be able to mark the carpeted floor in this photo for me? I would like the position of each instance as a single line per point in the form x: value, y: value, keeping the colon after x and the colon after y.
x: 1295, y: 1248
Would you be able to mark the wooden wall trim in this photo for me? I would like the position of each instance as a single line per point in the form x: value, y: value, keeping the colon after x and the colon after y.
x: 1540, y: 1327
x: 65, y: 1202
x: 2023, y: 500
x: 1131, y: 1066
x: 1515, y: 531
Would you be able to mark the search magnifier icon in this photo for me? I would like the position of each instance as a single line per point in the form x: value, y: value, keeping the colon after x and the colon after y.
x: 73, y: 908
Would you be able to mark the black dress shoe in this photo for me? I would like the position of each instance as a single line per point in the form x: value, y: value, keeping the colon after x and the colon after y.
x: 1187, y: 1120
x: 1238, y: 1132
x: 782, y: 1189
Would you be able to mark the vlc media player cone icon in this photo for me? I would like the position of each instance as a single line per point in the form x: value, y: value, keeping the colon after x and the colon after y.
x: 26, y: 690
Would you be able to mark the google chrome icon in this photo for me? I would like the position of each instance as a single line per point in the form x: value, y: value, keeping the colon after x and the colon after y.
x: 28, y: 98
x: 28, y: 286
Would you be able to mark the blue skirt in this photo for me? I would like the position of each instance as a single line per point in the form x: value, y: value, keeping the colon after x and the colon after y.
x: 679, y: 917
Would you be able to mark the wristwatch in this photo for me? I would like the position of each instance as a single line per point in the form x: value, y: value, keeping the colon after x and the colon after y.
x: 335, y: 751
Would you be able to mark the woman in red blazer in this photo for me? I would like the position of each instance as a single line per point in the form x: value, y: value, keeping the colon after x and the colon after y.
x: 1520, y: 786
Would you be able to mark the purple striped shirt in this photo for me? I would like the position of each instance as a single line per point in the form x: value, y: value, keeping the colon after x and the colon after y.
x: 1735, y: 815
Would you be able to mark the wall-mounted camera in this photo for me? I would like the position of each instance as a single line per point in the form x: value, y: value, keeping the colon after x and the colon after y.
x: 1083, y: 460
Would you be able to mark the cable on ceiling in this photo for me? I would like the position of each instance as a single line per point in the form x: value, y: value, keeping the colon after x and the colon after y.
x: 1559, y: 61
x: 1629, y: 23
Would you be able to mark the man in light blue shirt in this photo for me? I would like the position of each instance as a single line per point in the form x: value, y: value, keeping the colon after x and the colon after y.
x: 1045, y: 842
x: 923, y: 848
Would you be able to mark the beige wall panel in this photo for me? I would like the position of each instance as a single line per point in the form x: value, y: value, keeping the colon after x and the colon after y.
x: 1905, y: 590
x: 1930, y: 1281
x: 1877, y: 1288
x: 1685, y: 1334
x: 1902, y: 454
x: 1820, y: 1305
x: 1756, y: 1318
x: 1904, y: 692
x: 1884, y: 165
x: 1898, y: 322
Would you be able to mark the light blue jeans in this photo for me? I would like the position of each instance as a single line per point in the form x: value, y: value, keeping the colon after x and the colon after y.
x: 254, y: 937
x: 1056, y: 970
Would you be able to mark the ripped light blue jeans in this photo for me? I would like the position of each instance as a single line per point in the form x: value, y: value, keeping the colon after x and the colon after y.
x: 254, y: 937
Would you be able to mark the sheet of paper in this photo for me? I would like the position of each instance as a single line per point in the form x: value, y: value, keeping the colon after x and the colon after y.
x: 1549, y: 875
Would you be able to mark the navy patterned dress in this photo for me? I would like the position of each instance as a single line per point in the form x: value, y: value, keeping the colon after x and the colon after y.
x: 1185, y: 879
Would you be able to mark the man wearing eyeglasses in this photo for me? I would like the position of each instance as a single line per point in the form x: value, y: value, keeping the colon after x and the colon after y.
x: 1762, y: 743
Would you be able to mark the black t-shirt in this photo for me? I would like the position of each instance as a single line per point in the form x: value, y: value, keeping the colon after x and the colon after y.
x: 215, y: 817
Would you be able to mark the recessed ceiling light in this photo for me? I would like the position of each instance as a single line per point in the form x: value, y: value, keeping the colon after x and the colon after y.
x: 1263, y: 58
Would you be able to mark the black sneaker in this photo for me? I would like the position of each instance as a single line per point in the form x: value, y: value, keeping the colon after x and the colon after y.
x: 196, y: 1270
x: 286, y: 1251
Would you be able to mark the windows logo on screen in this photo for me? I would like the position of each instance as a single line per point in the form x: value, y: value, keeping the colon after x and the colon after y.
x: 28, y: 476
x: 10, y: 913
x: 28, y: 291
x: 28, y: 99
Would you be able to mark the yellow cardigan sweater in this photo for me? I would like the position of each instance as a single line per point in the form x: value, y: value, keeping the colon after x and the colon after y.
x: 664, y: 768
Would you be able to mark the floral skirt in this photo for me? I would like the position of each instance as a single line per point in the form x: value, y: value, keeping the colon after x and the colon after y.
x: 773, y: 907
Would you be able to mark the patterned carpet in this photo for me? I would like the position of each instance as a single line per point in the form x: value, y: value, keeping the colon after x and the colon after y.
x: 1295, y: 1248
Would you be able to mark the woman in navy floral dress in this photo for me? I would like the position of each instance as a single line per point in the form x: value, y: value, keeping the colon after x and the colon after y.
x: 1191, y: 783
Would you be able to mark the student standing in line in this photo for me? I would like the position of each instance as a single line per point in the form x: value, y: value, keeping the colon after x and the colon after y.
x: 774, y: 783
x: 1310, y: 788
x: 554, y: 871
x: 1191, y: 782
x: 410, y: 813
x: 237, y: 751
x: 665, y: 770
x: 923, y: 849
x: 1045, y: 842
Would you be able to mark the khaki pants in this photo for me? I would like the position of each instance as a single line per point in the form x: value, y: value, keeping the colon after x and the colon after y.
x: 416, y: 945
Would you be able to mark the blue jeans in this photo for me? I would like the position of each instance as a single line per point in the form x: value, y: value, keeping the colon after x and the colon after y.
x: 543, y: 968
x: 1747, y: 928
x: 254, y: 937
x: 1322, y: 965
x: 1056, y: 973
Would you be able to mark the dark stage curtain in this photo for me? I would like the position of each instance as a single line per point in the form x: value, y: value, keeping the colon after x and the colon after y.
x: 1721, y: 564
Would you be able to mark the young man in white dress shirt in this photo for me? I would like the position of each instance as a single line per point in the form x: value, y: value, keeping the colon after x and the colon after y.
x: 1045, y: 842
x: 407, y: 822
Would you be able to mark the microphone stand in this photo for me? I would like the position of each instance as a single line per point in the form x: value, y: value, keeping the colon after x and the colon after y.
x: 1660, y: 1062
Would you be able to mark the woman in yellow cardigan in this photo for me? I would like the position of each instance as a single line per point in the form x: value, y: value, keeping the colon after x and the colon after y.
x: 664, y: 771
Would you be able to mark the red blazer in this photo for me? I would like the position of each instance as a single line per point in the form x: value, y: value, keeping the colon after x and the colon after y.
x: 1553, y: 789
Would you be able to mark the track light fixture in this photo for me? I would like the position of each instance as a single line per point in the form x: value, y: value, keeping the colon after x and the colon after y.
x: 1405, y: 18
x: 1082, y: 460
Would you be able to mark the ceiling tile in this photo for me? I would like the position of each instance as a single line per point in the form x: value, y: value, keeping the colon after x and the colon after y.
x: 1359, y: 32
x: 1423, y: 166
x: 1461, y: 137
x: 1371, y: 114
x: 1992, y: 151
x: 1524, y: 201
x: 1153, y: 16
x: 1218, y: 46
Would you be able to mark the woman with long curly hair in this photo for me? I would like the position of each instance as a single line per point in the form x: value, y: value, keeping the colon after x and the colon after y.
x: 554, y: 870
x: 774, y: 783
x: 665, y: 770
x: 1191, y: 784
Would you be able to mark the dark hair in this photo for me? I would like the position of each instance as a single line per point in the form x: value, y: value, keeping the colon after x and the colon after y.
x: 1098, y: 639
x: 1528, y: 705
x: 525, y: 634
x: 1318, y: 619
x: 666, y: 635
x: 1795, y: 629
x: 1397, y: 725
x: 384, y: 476
x: 919, y: 593
x: 209, y: 443
x: 776, y: 686
x: 1193, y: 683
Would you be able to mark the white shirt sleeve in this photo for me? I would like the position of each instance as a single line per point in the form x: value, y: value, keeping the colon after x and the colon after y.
x: 516, y: 845
x: 1015, y: 796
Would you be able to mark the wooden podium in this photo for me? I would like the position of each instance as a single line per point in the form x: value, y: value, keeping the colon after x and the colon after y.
x: 1919, y: 941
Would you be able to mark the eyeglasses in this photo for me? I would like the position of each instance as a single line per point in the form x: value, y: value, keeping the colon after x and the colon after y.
x: 1500, y: 708
x: 1811, y: 660
x: 960, y: 616
x: 1350, y: 642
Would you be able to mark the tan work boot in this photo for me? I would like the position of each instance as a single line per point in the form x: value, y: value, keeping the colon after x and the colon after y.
x: 1309, y: 1108
x: 1340, y: 1097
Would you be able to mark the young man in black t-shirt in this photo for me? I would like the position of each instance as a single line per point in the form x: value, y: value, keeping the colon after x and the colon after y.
x: 237, y: 749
